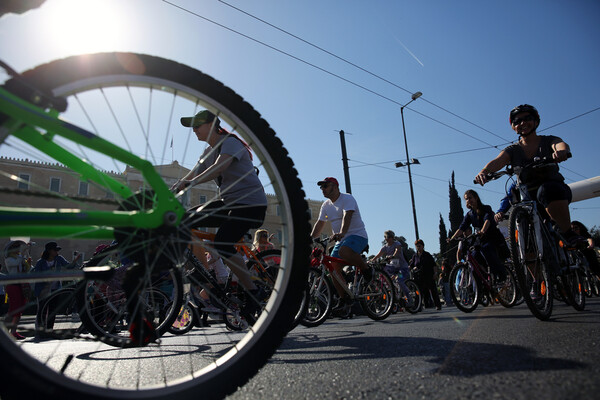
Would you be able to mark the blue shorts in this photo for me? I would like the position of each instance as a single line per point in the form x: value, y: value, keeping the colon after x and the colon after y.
x: 354, y: 242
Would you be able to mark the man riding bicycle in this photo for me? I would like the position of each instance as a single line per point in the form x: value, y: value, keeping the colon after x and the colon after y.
x: 544, y: 184
x: 349, y: 233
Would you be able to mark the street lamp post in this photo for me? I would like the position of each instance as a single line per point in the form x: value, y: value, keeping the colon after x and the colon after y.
x: 409, y: 162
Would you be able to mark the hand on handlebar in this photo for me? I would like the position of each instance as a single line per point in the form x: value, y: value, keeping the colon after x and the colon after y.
x: 561, y: 155
x: 481, y: 178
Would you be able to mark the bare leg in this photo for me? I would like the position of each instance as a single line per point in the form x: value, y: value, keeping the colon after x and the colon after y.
x: 558, y: 210
x: 236, y: 263
x: 352, y: 258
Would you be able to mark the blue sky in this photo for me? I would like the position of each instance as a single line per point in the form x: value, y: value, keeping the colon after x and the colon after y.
x: 472, y: 60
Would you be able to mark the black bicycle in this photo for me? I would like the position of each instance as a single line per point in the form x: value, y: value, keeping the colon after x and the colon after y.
x: 546, y: 266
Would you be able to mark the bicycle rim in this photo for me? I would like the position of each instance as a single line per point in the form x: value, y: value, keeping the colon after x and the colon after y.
x: 464, y: 289
x: 377, y: 296
x: 135, y: 101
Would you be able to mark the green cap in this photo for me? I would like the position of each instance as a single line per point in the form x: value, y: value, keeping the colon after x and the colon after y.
x: 201, y: 118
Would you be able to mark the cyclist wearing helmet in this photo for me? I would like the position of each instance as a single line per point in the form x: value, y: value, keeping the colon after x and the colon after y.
x: 545, y: 184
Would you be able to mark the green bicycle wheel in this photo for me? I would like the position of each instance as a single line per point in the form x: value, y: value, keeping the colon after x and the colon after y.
x: 135, y: 101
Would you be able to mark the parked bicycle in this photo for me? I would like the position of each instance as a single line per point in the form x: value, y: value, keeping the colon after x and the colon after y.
x: 545, y: 265
x: 473, y: 283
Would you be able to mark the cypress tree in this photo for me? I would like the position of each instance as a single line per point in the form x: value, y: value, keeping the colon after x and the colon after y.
x: 456, y: 211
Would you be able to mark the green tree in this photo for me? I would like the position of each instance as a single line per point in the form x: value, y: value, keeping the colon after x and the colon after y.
x: 443, y: 236
x: 456, y: 211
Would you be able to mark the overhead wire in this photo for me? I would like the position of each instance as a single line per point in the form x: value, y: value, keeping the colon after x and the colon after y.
x: 368, y: 72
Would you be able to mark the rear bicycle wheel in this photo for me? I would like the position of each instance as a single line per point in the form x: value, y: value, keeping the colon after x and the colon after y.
x: 417, y: 297
x: 532, y: 272
x: 320, y: 298
x: 377, y: 296
x: 464, y: 288
x: 507, y: 290
x: 136, y: 101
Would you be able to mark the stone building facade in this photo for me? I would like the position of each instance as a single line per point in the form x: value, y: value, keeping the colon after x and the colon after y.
x: 32, y: 183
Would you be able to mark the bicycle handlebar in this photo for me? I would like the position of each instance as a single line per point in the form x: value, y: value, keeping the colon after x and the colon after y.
x: 538, y: 162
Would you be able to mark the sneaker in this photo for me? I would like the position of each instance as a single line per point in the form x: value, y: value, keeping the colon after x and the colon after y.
x: 18, y: 336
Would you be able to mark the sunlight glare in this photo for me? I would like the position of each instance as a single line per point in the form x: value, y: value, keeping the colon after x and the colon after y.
x: 77, y: 26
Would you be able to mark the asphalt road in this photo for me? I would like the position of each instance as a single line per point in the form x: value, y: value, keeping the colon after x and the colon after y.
x: 492, y: 353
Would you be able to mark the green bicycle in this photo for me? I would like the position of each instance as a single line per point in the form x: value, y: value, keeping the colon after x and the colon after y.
x: 94, y: 114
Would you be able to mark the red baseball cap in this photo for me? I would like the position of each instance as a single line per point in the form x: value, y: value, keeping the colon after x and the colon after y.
x: 329, y: 179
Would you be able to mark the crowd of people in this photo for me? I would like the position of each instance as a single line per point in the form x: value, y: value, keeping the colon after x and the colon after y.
x: 546, y: 185
x: 228, y: 161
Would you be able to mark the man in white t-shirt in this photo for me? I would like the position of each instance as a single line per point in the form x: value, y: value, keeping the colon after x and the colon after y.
x: 349, y: 232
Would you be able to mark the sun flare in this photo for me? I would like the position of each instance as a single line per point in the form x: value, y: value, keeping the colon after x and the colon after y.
x: 78, y: 26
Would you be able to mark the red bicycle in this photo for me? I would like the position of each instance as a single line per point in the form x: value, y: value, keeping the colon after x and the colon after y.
x: 375, y: 297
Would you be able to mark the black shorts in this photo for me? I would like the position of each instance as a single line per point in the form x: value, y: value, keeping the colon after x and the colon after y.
x: 552, y: 191
x: 233, y: 222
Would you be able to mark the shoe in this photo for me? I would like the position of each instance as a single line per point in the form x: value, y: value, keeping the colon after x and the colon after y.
x: 438, y: 308
x: 18, y: 336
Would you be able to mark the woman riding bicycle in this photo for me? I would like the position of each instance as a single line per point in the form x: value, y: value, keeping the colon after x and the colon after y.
x: 243, y: 205
x: 396, y: 264
x: 544, y: 184
x: 481, y: 217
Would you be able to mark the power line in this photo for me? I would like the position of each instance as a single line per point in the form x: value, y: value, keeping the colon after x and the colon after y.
x: 354, y: 65
x: 366, y: 71
x: 326, y: 71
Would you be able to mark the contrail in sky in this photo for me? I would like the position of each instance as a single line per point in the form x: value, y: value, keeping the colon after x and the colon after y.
x: 409, y: 52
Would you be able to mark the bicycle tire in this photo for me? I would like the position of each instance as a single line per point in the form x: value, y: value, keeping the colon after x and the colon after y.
x: 377, y: 296
x: 58, y: 314
x: 219, y: 372
x: 320, y: 301
x: 103, y: 308
x: 574, y: 288
x: 507, y: 295
x: 185, y: 321
x: 465, y: 292
x: 416, y: 295
x: 531, y: 270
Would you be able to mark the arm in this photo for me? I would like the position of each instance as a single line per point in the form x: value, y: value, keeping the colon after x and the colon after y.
x: 561, y: 150
x: 459, y: 232
x: 495, y: 165
x: 221, y: 164
x: 317, y: 228
x: 345, y: 225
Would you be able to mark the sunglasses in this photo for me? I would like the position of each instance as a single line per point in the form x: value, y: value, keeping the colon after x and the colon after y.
x: 526, y: 118
x: 324, y: 185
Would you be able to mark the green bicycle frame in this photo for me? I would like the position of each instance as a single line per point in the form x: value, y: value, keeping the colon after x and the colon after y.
x: 38, y: 128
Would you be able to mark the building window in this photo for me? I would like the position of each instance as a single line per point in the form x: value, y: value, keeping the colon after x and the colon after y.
x: 55, y: 184
x: 23, y: 182
x: 110, y: 195
x: 277, y: 210
x: 202, y: 199
x: 83, y: 188
x: 279, y: 236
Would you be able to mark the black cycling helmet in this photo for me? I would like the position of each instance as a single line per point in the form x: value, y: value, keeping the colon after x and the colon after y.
x: 524, y: 108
